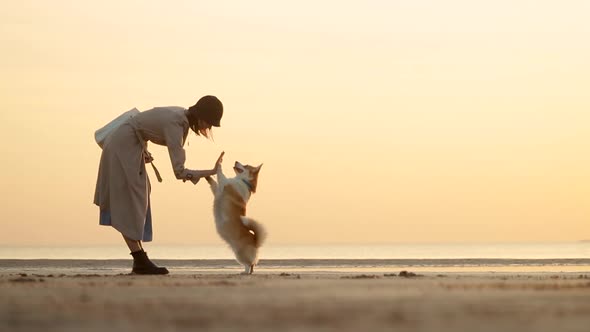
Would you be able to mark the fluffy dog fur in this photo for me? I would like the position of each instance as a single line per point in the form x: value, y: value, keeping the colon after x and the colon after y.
x: 243, y: 234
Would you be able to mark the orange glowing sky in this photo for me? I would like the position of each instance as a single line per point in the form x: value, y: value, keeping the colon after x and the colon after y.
x: 376, y: 121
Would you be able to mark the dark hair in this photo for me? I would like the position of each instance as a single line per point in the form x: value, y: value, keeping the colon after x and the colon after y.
x: 209, y: 109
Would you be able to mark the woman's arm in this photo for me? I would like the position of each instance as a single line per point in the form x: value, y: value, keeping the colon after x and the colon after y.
x: 207, y: 173
x: 174, y: 140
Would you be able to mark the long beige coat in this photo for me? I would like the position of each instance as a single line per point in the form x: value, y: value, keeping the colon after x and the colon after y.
x: 123, y: 187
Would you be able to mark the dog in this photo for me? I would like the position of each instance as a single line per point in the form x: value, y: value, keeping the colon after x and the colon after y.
x: 244, y: 235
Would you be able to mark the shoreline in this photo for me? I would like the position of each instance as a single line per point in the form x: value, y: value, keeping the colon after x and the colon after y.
x: 307, y: 266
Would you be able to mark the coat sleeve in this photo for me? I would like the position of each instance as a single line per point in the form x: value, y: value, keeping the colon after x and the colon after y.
x: 174, y: 141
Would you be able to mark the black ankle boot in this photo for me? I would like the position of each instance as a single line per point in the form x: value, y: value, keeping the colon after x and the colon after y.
x: 143, y: 265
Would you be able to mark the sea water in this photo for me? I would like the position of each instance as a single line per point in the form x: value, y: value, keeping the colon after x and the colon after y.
x: 531, y: 251
x: 573, y: 257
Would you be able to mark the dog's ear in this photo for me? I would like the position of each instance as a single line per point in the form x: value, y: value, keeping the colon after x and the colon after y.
x: 258, y: 168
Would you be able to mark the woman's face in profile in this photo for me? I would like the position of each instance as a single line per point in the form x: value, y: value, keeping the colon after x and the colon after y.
x: 204, y: 127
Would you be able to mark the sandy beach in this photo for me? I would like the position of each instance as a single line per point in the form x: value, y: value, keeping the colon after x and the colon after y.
x: 271, y: 300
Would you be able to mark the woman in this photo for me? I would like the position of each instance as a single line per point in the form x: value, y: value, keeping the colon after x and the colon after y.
x: 123, y: 188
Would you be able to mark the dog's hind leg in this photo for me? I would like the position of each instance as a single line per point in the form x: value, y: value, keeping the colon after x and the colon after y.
x: 248, y: 269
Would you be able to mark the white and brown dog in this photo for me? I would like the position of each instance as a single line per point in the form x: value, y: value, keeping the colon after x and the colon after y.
x: 243, y: 234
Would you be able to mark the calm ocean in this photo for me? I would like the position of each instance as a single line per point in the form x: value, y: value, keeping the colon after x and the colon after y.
x: 571, y: 257
x: 544, y: 251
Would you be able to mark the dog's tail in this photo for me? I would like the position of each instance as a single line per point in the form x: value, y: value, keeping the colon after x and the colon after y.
x: 258, y: 230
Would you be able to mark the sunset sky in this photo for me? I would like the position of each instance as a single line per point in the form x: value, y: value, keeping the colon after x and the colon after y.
x: 376, y: 121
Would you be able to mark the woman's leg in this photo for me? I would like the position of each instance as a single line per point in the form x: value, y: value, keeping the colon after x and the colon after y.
x: 134, y: 245
x: 141, y: 262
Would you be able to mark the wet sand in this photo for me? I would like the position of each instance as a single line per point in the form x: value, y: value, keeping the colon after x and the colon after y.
x: 294, y: 301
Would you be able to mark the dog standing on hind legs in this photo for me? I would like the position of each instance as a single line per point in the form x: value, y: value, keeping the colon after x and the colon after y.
x: 243, y: 234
